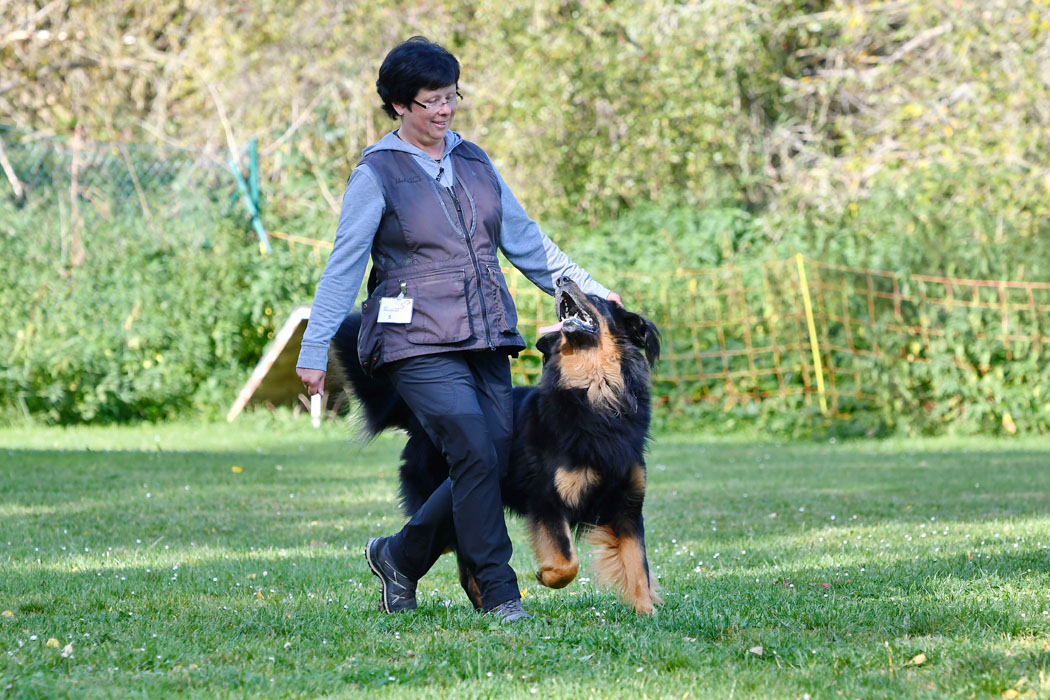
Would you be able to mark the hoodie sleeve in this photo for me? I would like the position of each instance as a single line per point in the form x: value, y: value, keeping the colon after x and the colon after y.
x: 532, y: 252
x: 362, y: 210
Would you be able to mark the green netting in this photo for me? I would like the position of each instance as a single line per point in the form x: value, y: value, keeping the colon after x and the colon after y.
x: 69, y: 188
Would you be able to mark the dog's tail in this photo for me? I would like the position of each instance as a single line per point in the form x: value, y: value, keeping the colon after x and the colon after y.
x: 381, y: 405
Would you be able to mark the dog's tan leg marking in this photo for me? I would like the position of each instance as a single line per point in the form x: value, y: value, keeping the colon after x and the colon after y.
x: 556, y: 570
x: 619, y: 562
x: 475, y: 592
x: 595, y: 369
x: 638, y: 480
x: 573, y: 484
x: 470, y: 586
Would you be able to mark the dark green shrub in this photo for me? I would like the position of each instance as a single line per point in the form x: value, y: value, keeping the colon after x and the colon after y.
x: 150, y: 325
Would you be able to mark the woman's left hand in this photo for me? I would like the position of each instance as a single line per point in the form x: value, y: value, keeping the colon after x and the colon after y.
x: 615, y: 298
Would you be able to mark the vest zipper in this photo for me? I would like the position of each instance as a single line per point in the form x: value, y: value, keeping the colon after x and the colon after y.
x: 477, y: 268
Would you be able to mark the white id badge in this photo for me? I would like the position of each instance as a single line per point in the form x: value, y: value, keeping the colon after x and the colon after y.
x: 395, y: 310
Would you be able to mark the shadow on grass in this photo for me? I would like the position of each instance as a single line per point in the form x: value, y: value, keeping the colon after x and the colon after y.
x: 102, y: 498
x: 751, y: 481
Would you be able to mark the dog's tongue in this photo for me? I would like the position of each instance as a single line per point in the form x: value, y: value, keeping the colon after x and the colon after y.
x: 551, y: 329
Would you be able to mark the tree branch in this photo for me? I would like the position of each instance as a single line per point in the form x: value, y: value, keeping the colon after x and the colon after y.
x: 231, y: 142
x: 83, y: 63
x: 9, y: 171
x: 307, y: 113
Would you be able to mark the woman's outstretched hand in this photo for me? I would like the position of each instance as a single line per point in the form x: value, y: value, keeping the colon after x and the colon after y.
x: 313, y: 379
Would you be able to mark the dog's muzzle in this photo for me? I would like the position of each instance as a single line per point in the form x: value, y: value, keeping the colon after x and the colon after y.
x: 572, y: 309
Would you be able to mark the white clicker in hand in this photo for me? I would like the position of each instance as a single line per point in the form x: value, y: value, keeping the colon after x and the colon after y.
x: 315, y: 409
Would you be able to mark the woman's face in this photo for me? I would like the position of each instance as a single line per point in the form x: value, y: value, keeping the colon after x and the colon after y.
x: 427, y: 126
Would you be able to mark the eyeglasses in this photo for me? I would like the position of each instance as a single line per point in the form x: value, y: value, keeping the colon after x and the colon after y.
x: 437, y: 103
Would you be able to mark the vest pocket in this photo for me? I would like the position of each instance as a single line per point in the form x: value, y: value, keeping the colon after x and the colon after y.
x: 369, y: 340
x: 440, y: 313
x: 506, y: 315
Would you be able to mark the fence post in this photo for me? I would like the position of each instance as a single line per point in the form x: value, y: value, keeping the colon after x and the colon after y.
x: 813, y: 344
x: 253, y: 173
x: 253, y: 210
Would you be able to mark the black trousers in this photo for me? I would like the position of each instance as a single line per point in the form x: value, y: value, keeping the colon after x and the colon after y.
x: 463, y: 400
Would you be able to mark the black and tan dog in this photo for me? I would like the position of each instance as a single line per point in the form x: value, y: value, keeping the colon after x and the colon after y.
x: 577, y: 462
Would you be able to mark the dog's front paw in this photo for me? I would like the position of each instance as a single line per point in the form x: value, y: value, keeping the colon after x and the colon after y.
x: 646, y: 598
x: 557, y: 578
x: 644, y: 606
x: 645, y: 601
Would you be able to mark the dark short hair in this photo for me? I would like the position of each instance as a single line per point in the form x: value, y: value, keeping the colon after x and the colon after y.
x: 411, y: 66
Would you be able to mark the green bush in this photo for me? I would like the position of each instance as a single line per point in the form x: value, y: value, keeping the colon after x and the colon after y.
x: 150, y: 325
x: 646, y: 136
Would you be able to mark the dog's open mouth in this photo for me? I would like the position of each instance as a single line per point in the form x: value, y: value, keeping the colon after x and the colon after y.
x: 573, y: 314
x: 573, y: 317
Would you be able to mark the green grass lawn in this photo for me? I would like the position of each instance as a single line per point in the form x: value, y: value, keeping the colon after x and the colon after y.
x: 225, y: 561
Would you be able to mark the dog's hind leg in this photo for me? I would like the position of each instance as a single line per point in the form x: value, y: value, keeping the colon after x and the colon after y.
x: 620, y: 559
x: 423, y: 469
x: 555, y: 552
x: 469, y: 583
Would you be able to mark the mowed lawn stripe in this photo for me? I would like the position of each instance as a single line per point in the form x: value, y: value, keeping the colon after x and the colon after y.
x: 223, y: 561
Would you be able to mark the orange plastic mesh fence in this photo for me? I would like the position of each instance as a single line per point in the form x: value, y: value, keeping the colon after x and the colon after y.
x: 737, y: 334
x: 741, y: 333
x: 730, y: 332
x: 865, y: 316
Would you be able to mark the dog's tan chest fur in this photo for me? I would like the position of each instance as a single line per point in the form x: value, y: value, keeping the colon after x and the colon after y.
x: 595, y: 369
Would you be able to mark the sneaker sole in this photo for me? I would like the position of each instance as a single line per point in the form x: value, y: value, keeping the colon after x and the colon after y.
x: 512, y: 620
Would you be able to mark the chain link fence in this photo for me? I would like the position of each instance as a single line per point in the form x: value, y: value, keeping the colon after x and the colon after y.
x: 62, y: 190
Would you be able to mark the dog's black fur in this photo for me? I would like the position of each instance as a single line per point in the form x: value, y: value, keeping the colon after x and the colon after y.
x: 577, y: 461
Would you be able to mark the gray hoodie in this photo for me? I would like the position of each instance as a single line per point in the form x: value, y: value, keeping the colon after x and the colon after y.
x: 521, y: 240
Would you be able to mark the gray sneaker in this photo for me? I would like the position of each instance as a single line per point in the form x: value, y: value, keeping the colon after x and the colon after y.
x: 399, y: 591
x: 511, y: 611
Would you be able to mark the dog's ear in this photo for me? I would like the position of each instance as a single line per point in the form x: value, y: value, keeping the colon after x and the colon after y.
x: 547, y: 344
x: 644, y: 334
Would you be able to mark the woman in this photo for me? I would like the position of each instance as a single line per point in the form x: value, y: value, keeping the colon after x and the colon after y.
x: 431, y: 210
